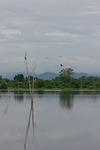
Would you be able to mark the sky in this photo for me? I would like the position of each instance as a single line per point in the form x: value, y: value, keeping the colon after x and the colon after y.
x: 52, y: 32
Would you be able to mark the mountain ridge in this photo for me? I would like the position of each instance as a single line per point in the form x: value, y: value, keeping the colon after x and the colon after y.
x: 45, y: 75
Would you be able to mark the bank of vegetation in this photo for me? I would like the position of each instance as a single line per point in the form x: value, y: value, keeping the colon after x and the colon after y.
x: 64, y: 81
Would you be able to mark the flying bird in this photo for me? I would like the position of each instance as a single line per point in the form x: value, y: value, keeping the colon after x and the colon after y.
x: 61, y: 65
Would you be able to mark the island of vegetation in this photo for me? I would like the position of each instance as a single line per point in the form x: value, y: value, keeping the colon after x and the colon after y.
x: 65, y: 81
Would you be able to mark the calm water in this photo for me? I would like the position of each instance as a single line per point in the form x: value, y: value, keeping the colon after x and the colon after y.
x: 58, y: 120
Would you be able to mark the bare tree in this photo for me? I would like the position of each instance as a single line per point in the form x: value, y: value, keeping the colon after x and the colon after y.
x: 31, y: 89
x: 31, y: 86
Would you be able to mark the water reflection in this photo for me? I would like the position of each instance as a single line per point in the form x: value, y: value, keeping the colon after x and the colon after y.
x: 0, y: 96
x: 19, y: 96
x: 31, y: 115
x: 65, y: 130
x: 66, y: 99
x: 8, y: 101
x: 40, y: 93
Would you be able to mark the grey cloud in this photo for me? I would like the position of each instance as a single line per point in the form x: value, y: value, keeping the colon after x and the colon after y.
x: 48, y: 28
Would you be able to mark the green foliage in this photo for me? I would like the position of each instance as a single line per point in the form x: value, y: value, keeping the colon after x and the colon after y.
x: 0, y: 78
x: 66, y: 74
x: 3, y: 85
x: 61, y: 82
x: 19, y: 77
x: 97, y: 84
x: 40, y: 83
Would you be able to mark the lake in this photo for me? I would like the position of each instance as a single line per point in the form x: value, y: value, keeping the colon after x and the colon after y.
x: 57, y: 120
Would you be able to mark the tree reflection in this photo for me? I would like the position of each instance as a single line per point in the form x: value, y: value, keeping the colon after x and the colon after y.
x: 31, y: 89
x: 66, y: 99
x: 31, y: 115
x: 0, y: 96
x: 19, y: 96
x: 7, y: 100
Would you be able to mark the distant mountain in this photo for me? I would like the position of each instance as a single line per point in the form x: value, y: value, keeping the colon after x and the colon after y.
x: 78, y: 75
x: 50, y: 75
x: 45, y: 75
x: 8, y: 75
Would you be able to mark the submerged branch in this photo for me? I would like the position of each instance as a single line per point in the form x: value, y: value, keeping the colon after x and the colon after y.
x: 31, y: 115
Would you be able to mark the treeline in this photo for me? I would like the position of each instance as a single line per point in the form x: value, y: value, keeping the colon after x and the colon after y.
x: 61, y: 82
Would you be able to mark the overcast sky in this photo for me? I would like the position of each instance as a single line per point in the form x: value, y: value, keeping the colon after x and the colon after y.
x: 52, y: 32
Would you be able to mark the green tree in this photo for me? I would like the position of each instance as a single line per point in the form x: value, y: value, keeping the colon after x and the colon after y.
x: 19, y: 77
x: 40, y: 83
x: 3, y: 85
x: 0, y: 78
x: 66, y: 74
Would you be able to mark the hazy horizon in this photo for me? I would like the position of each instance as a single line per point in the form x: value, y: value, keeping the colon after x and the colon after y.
x: 10, y: 75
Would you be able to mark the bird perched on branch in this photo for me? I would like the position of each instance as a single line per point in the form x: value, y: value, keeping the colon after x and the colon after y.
x: 25, y: 56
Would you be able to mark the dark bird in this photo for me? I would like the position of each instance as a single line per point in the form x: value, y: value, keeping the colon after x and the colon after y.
x: 25, y: 56
x: 61, y: 65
